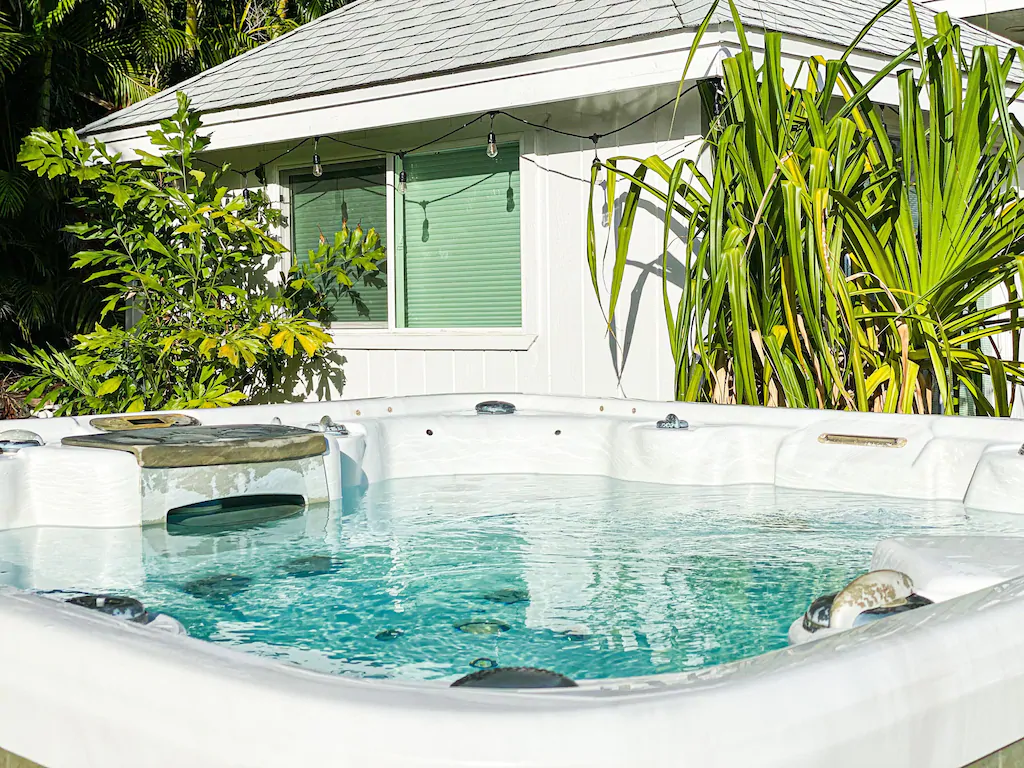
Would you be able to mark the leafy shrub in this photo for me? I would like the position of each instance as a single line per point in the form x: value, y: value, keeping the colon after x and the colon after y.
x: 335, y: 271
x: 188, y: 320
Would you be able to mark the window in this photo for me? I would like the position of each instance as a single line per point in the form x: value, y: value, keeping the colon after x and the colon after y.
x: 354, y: 194
x: 454, y: 254
x: 459, y: 246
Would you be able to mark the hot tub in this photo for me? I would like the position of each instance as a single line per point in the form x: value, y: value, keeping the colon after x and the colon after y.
x: 336, y: 566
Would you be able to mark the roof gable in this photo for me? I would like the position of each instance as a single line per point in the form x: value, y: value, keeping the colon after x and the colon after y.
x: 371, y: 42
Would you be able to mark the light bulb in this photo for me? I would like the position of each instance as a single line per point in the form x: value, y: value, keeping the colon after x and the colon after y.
x: 492, y: 145
x: 245, y: 194
x: 318, y: 170
x: 402, y: 185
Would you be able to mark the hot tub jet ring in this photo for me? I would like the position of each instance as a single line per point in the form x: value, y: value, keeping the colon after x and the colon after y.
x: 124, y: 608
x: 483, y: 627
x: 514, y: 677
x: 128, y: 609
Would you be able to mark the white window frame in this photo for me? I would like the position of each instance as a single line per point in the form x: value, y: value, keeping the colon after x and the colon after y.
x: 377, y: 335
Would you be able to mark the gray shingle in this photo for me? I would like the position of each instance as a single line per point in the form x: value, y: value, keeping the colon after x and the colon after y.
x: 376, y: 41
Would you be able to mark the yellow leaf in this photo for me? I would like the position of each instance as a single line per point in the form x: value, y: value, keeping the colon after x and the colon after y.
x: 207, y: 346
x: 109, y: 386
x: 229, y: 352
x: 307, y: 344
x: 278, y: 339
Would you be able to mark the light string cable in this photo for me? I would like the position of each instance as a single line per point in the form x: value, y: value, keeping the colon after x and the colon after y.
x: 260, y: 168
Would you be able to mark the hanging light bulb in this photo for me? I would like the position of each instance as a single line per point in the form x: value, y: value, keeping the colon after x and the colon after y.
x: 492, y: 140
x: 245, y: 191
x: 402, y: 178
x: 318, y: 170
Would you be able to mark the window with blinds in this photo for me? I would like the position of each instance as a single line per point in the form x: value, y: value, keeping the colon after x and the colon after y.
x: 458, y: 248
x: 355, y: 194
x: 455, y: 258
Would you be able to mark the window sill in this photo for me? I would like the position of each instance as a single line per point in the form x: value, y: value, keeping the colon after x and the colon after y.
x: 474, y: 339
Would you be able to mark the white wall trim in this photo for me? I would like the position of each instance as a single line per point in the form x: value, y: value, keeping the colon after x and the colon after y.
x: 472, y: 339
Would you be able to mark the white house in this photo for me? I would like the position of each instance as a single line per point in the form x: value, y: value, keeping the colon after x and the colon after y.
x: 488, y: 287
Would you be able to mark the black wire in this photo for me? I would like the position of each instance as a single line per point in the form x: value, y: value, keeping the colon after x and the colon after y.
x: 524, y: 121
x: 594, y: 137
x: 644, y: 117
x: 476, y: 119
x: 353, y: 144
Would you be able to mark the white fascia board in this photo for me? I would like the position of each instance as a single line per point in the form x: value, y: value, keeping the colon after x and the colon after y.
x: 610, y: 69
x: 615, y: 68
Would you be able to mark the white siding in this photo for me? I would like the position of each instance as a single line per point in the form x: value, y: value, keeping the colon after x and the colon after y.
x: 571, y: 354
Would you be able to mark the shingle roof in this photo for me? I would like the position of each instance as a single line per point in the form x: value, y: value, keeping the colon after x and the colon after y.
x: 370, y: 42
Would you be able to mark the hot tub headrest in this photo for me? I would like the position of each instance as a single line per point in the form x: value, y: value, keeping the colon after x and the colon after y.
x: 201, y: 446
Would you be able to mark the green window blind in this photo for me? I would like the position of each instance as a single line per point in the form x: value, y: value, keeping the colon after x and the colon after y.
x: 459, y: 254
x: 352, y: 193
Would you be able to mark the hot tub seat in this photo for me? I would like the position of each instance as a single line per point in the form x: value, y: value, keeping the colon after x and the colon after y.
x: 204, y: 446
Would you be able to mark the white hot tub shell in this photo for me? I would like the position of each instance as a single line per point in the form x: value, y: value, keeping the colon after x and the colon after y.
x: 938, y: 686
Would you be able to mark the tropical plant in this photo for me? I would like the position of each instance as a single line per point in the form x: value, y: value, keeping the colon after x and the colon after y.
x: 66, y: 63
x: 220, y: 31
x: 335, y: 272
x: 808, y: 279
x: 62, y: 63
x: 178, y: 256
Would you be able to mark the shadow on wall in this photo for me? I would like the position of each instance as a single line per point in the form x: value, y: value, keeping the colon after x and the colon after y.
x: 320, y: 378
x: 619, y: 346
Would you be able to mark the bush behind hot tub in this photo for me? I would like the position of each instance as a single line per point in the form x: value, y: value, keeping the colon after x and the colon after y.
x: 812, y: 281
x: 190, y: 319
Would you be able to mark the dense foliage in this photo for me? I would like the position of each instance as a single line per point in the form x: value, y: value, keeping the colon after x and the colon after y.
x: 64, y: 63
x: 810, y: 280
x: 181, y: 259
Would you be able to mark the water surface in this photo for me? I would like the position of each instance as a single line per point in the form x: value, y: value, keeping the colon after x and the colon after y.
x: 432, y: 578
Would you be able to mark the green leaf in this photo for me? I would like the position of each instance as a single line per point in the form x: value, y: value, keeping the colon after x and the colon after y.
x: 109, y: 386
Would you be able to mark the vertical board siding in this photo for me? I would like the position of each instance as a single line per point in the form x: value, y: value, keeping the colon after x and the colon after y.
x: 382, y: 373
x: 439, y: 377
x: 572, y: 354
x: 410, y: 372
x: 500, y: 371
x: 564, y: 227
x: 468, y: 371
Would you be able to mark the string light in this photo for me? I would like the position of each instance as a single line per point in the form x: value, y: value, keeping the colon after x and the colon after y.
x: 492, y: 140
x: 318, y: 170
x: 403, y: 179
x: 245, y: 191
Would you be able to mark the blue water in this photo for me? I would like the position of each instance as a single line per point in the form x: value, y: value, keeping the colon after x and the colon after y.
x: 433, y: 578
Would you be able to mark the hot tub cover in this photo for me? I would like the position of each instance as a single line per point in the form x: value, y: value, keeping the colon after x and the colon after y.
x: 201, y: 446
